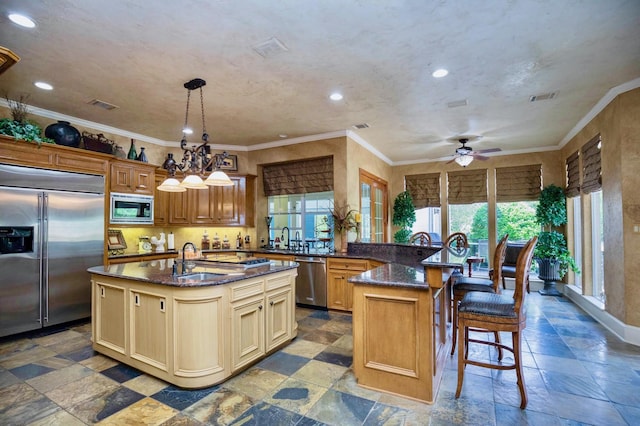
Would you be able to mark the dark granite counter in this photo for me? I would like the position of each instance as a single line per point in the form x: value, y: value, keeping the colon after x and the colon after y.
x: 133, y: 254
x: 392, y: 275
x: 160, y: 272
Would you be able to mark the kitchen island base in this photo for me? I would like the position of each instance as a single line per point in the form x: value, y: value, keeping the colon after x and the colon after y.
x: 193, y: 337
x: 401, y: 331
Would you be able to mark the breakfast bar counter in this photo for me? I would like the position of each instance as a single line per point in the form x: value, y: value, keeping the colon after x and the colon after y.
x: 401, y: 328
x: 197, y: 328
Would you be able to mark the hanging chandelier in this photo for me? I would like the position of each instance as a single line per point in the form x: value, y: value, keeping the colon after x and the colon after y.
x: 464, y: 160
x: 196, y: 161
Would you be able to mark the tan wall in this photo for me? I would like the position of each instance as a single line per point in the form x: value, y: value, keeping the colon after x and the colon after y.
x: 619, y: 127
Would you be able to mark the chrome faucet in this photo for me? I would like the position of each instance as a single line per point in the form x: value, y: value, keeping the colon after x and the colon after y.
x: 298, y: 242
x: 288, y: 245
x: 184, y: 247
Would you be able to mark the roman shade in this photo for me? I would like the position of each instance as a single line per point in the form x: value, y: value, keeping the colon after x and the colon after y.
x: 424, y: 189
x: 573, y: 175
x: 298, y: 177
x: 520, y: 183
x: 467, y: 186
x: 591, y: 174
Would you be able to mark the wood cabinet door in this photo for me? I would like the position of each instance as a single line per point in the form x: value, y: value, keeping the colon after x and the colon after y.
x: 229, y: 203
x: 121, y: 178
x: 336, y: 284
x: 109, y: 316
x: 278, y: 317
x: 143, y: 180
x: 178, y: 208
x: 202, y: 207
x: 160, y: 204
x: 149, y: 329
x: 247, y: 332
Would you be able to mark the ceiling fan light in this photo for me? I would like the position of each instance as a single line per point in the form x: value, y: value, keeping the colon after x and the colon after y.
x: 464, y: 160
x: 171, y: 185
x: 218, y: 178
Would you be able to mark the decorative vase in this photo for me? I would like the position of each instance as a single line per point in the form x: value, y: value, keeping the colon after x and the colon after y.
x: 142, y: 156
x: 132, y: 151
x: 344, y: 242
x: 549, y: 272
x: 63, y: 133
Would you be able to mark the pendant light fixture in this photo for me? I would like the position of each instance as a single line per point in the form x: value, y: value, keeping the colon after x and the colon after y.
x: 464, y: 160
x: 197, y: 160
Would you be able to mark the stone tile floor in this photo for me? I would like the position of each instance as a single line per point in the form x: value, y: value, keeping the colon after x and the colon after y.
x: 577, y: 373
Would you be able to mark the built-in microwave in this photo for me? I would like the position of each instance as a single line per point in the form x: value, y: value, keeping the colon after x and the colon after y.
x: 131, y: 209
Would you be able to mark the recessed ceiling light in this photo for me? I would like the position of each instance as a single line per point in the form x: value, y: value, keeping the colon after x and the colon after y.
x: 335, y: 96
x: 282, y: 135
x: 439, y: 73
x: 42, y: 85
x: 22, y: 20
x: 187, y: 131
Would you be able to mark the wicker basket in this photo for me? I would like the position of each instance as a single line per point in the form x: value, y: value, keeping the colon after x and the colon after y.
x: 98, y: 143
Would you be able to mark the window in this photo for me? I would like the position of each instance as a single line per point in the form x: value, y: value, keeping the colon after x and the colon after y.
x: 429, y: 220
x: 373, y: 207
x: 577, y: 238
x: 597, y: 245
x: 305, y: 215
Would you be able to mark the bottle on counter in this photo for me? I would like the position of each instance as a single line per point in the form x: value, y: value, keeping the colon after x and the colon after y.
x: 225, y: 243
x: 247, y: 241
x: 205, y: 241
x: 216, y: 242
x: 239, y: 241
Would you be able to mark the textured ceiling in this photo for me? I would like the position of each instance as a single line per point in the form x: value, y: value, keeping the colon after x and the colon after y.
x: 379, y: 53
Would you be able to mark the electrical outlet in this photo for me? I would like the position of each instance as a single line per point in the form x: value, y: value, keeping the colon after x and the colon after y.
x: 636, y: 228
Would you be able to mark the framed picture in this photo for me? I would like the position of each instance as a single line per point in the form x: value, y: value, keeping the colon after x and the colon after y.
x: 115, y: 240
x: 230, y: 163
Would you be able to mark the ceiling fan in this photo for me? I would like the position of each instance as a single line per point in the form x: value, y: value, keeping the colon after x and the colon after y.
x: 464, y: 155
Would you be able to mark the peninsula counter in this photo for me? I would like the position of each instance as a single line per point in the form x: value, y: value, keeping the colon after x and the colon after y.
x: 401, y: 328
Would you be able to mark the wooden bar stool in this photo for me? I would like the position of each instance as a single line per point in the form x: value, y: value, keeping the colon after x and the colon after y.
x: 495, y: 313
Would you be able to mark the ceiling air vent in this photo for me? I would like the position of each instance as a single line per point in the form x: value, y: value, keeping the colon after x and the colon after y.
x: 543, y: 97
x: 270, y: 47
x: 102, y: 104
x: 361, y: 126
x: 455, y: 104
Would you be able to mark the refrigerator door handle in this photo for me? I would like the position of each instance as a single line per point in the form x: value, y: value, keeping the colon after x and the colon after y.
x: 45, y: 259
x: 40, y: 253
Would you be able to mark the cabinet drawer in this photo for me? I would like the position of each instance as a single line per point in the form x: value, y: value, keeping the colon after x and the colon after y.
x: 278, y: 281
x: 349, y: 264
x: 248, y: 289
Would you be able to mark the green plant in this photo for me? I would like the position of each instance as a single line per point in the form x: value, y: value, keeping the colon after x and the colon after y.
x: 552, y: 212
x: 342, y: 217
x: 18, y: 126
x: 404, y: 216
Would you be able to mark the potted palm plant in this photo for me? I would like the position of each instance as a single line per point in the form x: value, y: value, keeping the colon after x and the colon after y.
x: 404, y: 216
x: 551, y: 252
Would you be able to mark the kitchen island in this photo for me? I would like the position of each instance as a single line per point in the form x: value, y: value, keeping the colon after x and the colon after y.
x: 401, y: 328
x: 194, y: 329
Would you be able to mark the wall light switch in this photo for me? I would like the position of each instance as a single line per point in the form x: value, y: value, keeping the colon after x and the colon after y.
x: 636, y: 228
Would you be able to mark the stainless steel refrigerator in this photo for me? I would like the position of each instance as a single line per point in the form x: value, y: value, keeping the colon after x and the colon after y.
x: 51, y: 231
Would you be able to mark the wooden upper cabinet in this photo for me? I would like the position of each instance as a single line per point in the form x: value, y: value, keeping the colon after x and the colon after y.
x: 160, y: 203
x: 217, y: 205
x: 128, y: 177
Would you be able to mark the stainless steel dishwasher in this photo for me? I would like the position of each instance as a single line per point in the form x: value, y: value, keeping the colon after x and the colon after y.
x: 311, y: 283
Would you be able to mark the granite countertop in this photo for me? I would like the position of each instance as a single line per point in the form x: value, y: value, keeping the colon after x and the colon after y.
x: 126, y: 254
x: 161, y: 272
x: 392, y: 275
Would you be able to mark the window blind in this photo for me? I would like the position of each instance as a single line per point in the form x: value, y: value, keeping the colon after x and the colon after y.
x: 298, y: 177
x: 424, y: 189
x: 520, y: 183
x: 591, y: 174
x: 467, y: 186
x: 573, y: 175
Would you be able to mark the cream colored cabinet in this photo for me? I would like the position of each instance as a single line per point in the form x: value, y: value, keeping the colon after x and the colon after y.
x: 339, y: 290
x: 129, y: 177
x: 109, y: 310
x: 247, y: 331
x: 278, y: 317
x: 193, y: 337
x: 262, y: 318
x: 148, y: 328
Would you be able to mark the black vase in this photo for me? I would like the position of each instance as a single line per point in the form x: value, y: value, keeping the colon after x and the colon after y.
x: 63, y: 133
x: 142, y: 156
